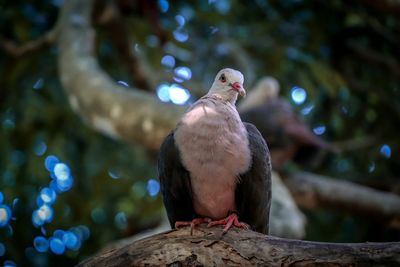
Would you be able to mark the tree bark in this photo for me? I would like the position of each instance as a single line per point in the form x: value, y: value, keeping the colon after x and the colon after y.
x: 311, y: 191
x: 206, y: 247
x: 123, y: 113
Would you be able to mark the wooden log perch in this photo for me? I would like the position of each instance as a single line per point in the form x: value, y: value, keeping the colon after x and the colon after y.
x: 242, y: 248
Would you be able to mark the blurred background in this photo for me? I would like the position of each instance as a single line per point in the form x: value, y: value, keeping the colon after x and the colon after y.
x: 67, y: 190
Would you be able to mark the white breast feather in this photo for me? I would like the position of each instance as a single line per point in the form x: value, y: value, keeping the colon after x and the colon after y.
x: 214, y: 148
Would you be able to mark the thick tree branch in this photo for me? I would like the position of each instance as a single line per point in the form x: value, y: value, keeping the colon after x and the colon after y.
x: 124, y: 113
x: 242, y: 248
x: 311, y: 191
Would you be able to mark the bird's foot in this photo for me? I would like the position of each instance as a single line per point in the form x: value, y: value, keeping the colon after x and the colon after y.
x: 231, y: 220
x: 192, y: 223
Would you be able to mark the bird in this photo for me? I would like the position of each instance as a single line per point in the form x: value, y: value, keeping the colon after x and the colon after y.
x: 289, y: 138
x: 212, y: 167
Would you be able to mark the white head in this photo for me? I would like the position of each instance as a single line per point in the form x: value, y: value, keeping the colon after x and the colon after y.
x: 228, y: 84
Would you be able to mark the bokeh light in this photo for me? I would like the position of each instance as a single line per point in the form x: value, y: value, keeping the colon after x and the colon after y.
x: 71, y: 241
x: 173, y: 93
x: 41, y: 244
x: 153, y: 187
x: 121, y: 221
x: 5, y: 215
x: 163, y: 92
x: 48, y: 195
x: 307, y: 110
x: 123, y: 83
x: 180, y: 20
x: 9, y: 263
x: 298, y: 95
x: 386, y: 151
x: 183, y: 73
x: 2, y: 249
x: 168, y: 61
x: 163, y: 5
x: 38, y: 84
x: 40, y: 148
x: 50, y: 162
x: 178, y: 95
x: 56, y: 245
x: 319, y: 130
x: 180, y: 35
x: 113, y: 174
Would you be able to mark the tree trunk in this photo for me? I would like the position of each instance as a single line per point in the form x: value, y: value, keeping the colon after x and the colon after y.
x: 206, y: 247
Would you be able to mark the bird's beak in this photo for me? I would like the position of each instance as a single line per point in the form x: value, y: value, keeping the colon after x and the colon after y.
x: 239, y: 88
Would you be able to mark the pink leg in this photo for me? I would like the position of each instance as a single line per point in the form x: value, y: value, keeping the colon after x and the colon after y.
x: 192, y: 223
x: 232, y: 219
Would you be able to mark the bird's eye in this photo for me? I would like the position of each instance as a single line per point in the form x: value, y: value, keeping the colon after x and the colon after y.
x: 222, y: 78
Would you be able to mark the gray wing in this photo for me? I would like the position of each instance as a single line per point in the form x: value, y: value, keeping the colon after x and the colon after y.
x: 175, y: 183
x: 253, y: 192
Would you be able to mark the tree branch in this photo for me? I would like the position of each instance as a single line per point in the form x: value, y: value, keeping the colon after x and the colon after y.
x: 18, y: 51
x: 128, y: 114
x: 311, y: 191
x: 242, y: 248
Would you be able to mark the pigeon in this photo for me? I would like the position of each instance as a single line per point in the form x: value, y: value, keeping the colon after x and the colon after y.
x: 213, y: 168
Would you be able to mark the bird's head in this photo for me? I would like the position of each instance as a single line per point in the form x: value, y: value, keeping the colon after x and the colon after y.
x: 228, y: 84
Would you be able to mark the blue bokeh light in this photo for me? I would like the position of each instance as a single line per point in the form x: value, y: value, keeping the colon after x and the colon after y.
x: 319, y: 130
x: 178, y: 95
x: 163, y: 92
x: 120, y: 220
x: 59, y: 233
x: 40, y: 148
x: 113, y: 174
x: 50, y: 162
x: 81, y: 231
x: 123, y: 83
x: 153, y: 187
x: 386, y: 151
x: 5, y: 215
x: 1, y: 197
x: 164, y: 5
x: 42, y: 215
x: 62, y: 171
x: 223, y: 6
x: 180, y: 35
x: 56, y: 245
x: 38, y: 84
x: 2, y: 249
x: 98, y: 215
x: 41, y: 244
x: 47, y: 195
x: 9, y: 264
x: 168, y: 61
x: 371, y: 167
x: 180, y: 20
x: 71, y: 240
x: 183, y: 73
x: 36, y: 219
x: 298, y: 94
x: 307, y: 110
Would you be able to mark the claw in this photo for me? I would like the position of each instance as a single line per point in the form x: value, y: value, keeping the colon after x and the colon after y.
x: 192, y: 223
x: 231, y: 220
